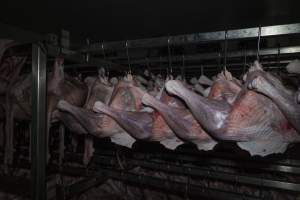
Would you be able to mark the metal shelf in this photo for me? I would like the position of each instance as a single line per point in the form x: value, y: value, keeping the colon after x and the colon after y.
x: 151, y: 162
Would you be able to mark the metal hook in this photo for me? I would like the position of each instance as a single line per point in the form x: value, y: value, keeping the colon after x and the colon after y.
x: 183, y: 67
x: 261, y: 185
x: 169, y: 55
x: 245, y: 60
x: 87, y: 58
x: 278, y: 57
x: 128, y: 58
x: 258, y: 43
x: 219, y: 61
x: 104, y: 57
x: 148, y: 64
x: 187, y: 187
x: 225, y: 50
x: 160, y: 61
x: 236, y: 183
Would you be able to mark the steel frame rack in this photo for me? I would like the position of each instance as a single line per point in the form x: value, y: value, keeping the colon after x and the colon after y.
x: 39, y: 62
x: 196, y: 38
x: 247, y: 33
x: 208, y: 56
x: 39, y: 76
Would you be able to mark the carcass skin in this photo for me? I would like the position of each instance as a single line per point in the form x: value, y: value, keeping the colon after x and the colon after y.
x: 182, y: 123
x: 124, y: 97
x: 294, y: 67
x: 213, y: 112
x: 270, y: 86
x: 9, y: 72
x: 9, y: 105
x: 253, y: 120
x: 19, y: 107
x: 224, y: 88
x: 138, y: 124
x: 199, y: 88
x: 98, y: 90
x: 142, y: 125
x: 204, y: 80
x: 61, y: 86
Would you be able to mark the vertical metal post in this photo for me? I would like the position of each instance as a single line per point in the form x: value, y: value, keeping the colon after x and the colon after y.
x: 38, y: 137
x: 61, y: 149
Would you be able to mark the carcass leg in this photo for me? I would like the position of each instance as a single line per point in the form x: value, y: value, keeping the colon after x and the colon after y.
x: 61, y: 143
x: 9, y: 132
x: 88, y: 149
x: 286, y: 102
x: 211, y: 114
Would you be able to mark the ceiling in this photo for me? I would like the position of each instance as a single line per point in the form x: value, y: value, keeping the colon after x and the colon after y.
x: 107, y: 20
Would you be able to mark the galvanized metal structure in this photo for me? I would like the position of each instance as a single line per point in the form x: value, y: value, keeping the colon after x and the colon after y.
x: 38, y: 134
x: 237, y: 34
x: 39, y: 59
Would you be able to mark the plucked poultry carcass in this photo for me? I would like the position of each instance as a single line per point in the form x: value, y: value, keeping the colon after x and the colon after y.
x: 123, y: 97
x: 60, y: 86
x: 294, y: 67
x: 143, y: 125
x: 181, y: 121
x: 286, y: 100
x: 98, y: 90
x: 124, y: 120
x: 251, y: 119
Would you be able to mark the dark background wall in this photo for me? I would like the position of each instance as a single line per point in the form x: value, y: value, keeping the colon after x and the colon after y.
x: 106, y: 20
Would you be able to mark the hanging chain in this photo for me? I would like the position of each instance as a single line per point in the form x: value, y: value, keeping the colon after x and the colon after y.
x: 219, y: 61
x: 245, y: 60
x: 87, y: 58
x: 258, y: 43
x: 128, y: 58
x: 169, y: 56
x: 225, y: 51
x: 183, y: 68
x: 278, y: 57
x: 148, y: 64
x: 160, y: 65
x: 201, y: 70
x: 104, y: 57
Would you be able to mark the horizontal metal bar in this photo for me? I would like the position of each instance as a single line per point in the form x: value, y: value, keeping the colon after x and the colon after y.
x: 282, y: 166
x: 210, y: 56
x: 288, y: 166
x: 174, y: 187
x: 79, y: 58
x: 230, y: 66
x: 23, y: 36
x: 198, y: 172
x: 82, y: 186
x: 140, y: 180
x: 196, y: 38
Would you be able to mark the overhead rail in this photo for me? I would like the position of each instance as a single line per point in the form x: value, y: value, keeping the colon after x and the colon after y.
x: 194, y: 38
x: 23, y: 37
x: 209, y: 56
